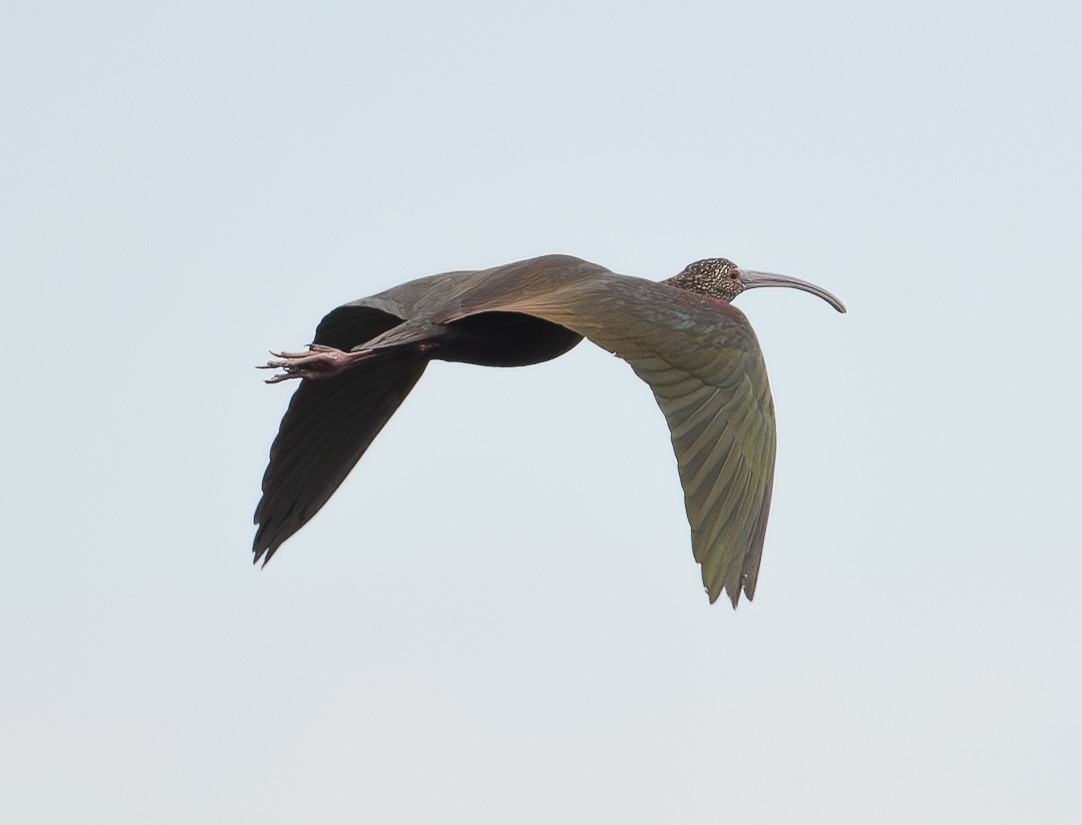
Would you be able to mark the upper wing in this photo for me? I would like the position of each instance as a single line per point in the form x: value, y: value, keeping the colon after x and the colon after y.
x: 704, y: 365
x: 330, y: 423
x: 457, y: 294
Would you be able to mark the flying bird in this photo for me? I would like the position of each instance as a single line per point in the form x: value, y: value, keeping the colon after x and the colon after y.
x: 682, y: 336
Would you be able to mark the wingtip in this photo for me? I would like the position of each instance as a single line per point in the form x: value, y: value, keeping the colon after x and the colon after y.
x: 714, y: 596
x: 261, y: 550
x: 732, y: 593
x: 261, y: 554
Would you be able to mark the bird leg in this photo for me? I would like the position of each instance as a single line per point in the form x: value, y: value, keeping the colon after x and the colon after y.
x: 319, y: 362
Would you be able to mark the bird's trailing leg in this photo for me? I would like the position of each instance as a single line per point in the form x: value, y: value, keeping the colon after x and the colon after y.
x: 318, y: 362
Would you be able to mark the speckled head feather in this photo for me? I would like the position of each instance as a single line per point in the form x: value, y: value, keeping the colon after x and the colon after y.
x: 715, y: 277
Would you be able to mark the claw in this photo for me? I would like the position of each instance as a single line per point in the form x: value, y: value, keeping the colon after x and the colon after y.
x: 290, y: 354
x: 277, y: 379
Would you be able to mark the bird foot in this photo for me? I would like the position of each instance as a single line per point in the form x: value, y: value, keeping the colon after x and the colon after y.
x: 318, y: 362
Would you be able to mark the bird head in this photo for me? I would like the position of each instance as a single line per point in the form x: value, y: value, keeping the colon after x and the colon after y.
x: 721, y: 278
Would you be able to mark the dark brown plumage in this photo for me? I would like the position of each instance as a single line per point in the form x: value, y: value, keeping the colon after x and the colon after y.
x: 697, y: 352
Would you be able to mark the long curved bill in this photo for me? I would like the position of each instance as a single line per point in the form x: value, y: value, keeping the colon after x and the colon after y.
x: 752, y: 280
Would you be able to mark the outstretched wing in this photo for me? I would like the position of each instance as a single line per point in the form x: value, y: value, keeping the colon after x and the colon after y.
x: 329, y: 425
x: 704, y: 365
x: 721, y: 417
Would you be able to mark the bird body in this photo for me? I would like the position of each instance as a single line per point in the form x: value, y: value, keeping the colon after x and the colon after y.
x: 697, y: 352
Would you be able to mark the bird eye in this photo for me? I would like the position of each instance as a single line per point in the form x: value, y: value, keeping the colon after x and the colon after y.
x: 734, y: 275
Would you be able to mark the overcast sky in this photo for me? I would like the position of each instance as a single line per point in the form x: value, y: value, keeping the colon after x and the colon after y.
x: 497, y: 619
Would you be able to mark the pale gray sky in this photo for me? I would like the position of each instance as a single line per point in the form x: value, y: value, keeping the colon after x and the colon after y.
x: 497, y: 618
